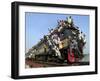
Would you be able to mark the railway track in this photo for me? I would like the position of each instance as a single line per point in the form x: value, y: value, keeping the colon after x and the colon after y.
x: 33, y: 64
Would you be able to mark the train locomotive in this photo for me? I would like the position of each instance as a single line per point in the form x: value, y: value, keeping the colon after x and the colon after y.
x: 65, y: 43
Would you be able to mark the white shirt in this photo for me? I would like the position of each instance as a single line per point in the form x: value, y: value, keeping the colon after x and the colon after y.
x: 80, y: 36
x: 69, y: 20
x: 55, y: 38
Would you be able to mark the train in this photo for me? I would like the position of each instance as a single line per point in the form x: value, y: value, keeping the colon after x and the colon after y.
x: 48, y: 51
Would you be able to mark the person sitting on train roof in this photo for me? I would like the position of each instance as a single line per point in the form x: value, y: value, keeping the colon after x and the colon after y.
x: 61, y: 23
x: 70, y: 21
x: 50, y: 31
x: 62, y: 26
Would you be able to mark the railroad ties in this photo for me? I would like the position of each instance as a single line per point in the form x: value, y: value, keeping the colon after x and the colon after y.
x: 37, y: 64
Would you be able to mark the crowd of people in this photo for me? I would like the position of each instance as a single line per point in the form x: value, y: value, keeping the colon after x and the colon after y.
x: 76, y: 40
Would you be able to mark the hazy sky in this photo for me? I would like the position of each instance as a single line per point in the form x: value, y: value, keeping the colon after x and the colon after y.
x: 37, y: 25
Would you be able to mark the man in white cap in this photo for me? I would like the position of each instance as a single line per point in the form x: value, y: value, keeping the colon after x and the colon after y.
x: 70, y: 21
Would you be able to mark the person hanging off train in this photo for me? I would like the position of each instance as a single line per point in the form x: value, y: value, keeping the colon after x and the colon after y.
x: 82, y: 37
x: 70, y: 53
x: 56, y: 40
x: 74, y: 47
x: 53, y: 43
x: 82, y: 42
x: 74, y: 53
